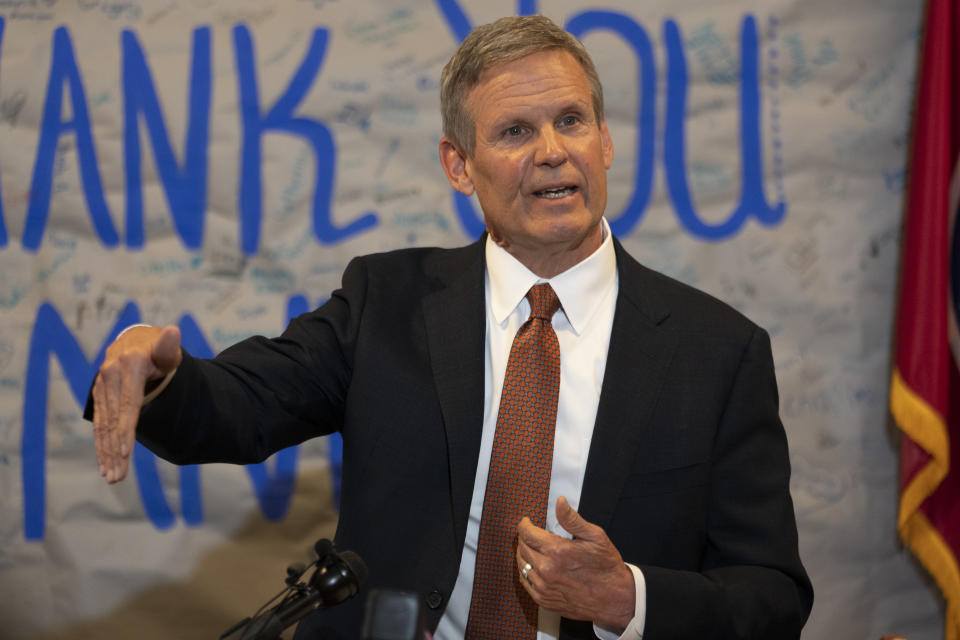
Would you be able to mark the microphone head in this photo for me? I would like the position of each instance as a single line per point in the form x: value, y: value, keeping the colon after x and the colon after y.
x: 294, y: 571
x: 337, y: 577
x: 357, y: 566
x: 323, y: 547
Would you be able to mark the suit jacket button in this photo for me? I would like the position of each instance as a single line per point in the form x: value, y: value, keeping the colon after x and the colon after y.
x: 434, y: 599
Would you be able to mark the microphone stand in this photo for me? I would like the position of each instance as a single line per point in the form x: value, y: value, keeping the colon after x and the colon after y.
x: 334, y: 580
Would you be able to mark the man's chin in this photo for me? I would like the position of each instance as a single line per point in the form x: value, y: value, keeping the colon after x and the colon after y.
x: 573, y: 230
x: 551, y: 232
x: 560, y: 236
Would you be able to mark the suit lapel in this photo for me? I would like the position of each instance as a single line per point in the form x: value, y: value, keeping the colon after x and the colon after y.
x: 641, y: 345
x: 455, y: 319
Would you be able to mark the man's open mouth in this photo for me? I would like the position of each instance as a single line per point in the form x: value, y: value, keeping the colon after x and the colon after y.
x: 559, y: 192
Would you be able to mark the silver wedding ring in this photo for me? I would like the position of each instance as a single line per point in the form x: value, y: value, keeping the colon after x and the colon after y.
x: 527, y: 568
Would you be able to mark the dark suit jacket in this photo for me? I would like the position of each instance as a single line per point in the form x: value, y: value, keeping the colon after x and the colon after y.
x: 687, y: 472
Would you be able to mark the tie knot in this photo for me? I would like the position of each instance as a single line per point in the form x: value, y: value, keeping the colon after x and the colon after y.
x: 543, y: 301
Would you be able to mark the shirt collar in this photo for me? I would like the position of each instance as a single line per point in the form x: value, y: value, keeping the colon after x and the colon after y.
x: 580, y: 288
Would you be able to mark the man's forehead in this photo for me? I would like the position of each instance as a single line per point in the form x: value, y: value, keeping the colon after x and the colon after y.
x: 528, y: 60
x: 557, y: 70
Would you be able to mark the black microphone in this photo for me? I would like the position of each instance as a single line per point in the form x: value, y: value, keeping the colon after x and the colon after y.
x: 322, y: 548
x: 337, y: 577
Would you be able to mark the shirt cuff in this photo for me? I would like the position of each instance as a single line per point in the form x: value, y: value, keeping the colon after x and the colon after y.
x: 634, y: 630
x: 156, y: 390
x: 133, y: 326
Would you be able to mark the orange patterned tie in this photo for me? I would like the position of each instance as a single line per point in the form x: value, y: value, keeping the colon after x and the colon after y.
x: 519, y: 481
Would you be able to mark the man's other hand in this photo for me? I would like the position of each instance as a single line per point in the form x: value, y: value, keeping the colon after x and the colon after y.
x: 139, y: 356
x: 581, y: 579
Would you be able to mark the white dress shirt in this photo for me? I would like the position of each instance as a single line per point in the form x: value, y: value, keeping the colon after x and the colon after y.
x: 588, y: 296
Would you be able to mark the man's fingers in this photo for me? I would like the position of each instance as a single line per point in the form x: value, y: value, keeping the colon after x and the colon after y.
x: 134, y: 377
x: 128, y: 439
x: 526, y: 554
x: 532, y: 535
x: 544, y: 591
x: 98, y: 423
x: 139, y: 354
x: 532, y: 581
x: 120, y: 472
x: 583, y: 578
x: 110, y: 410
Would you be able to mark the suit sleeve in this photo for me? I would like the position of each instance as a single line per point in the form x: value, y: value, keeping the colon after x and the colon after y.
x: 751, y: 583
x: 261, y: 395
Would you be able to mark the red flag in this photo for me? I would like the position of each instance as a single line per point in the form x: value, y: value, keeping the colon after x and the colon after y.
x: 925, y: 389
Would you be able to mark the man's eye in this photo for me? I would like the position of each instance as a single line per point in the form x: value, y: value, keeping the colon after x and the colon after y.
x: 515, y: 130
x: 568, y: 121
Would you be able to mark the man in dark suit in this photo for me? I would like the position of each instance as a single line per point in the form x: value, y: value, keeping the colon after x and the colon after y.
x: 668, y: 474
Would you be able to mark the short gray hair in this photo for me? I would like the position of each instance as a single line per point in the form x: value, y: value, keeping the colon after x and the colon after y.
x: 504, y: 40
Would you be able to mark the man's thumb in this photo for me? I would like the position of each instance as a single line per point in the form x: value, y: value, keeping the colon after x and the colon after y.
x: 166, y: 350
x: 570, y: 520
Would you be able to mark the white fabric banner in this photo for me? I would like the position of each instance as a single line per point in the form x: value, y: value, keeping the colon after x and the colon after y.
x: 215, y: 164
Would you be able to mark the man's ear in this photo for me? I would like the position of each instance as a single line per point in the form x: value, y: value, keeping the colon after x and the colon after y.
x: 455, y: 166
x: 606, y: 144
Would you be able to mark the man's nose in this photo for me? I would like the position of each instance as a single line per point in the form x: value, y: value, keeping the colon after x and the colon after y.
x: 551, y: 150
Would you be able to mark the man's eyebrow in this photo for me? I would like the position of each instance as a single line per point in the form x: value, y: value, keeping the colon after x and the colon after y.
x: 579, y: 107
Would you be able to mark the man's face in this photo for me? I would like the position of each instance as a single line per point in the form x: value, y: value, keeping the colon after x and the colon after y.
x: 540, y: 162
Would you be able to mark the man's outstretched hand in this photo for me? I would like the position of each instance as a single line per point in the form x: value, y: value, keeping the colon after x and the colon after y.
x: 139, y: 356
x: 581, y: 579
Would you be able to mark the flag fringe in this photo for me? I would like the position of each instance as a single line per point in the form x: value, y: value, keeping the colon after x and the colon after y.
x: 935, y: 554
x: 925, y: 426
